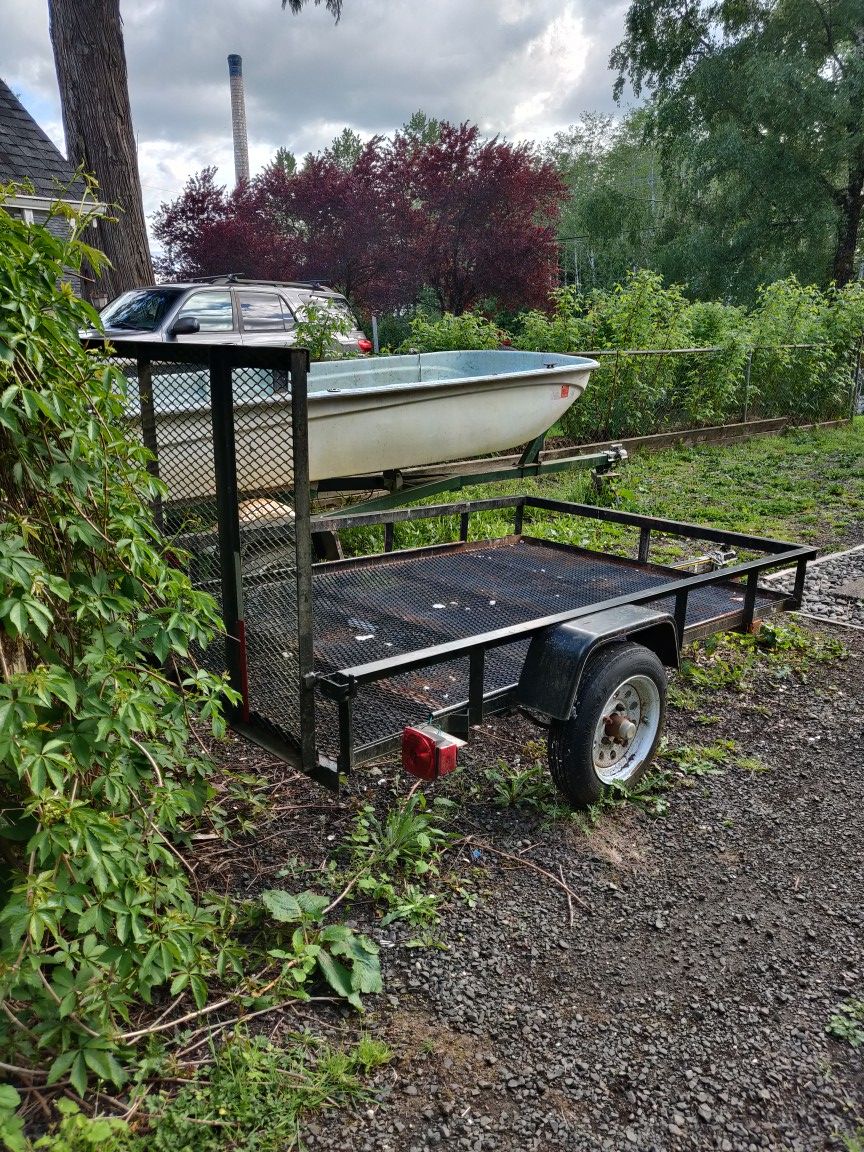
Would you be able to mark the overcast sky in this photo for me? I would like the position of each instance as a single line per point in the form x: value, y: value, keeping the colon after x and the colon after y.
x: 519, y: 68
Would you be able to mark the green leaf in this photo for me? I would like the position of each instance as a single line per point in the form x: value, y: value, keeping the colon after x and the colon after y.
x: 78, y: 1074
x: 63, y: 687
x: 336, y: 975
x: 9, y: 1098
x: 104, y: 1065
x: 12, y: 1133
x: 61, y: 1066
x: 282, y: 906
x: 313, y: 904
x: 199, y: 990
x: 67, y: 1004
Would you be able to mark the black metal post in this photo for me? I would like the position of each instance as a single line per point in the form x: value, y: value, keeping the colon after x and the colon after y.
x: 228, y: 519
x: 476, y: 676
x: 680, y: 614
x: 346, y: 734
x: 800, y: 577
x: 750, y: 598
x: 518, y: 515
x: 299, y: 365
x: 463, y: 526
x: 388, y: 537
x: 644, y: 544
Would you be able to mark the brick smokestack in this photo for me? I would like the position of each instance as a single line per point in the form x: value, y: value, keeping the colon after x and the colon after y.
x: 238, y: 119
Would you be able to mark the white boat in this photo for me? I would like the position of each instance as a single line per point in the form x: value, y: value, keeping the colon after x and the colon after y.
x: 365, y: 416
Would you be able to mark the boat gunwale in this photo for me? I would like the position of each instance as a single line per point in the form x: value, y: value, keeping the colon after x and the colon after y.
x: 403, y: 392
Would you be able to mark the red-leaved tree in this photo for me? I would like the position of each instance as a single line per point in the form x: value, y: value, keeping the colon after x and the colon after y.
x: 471, y: 219
x: 486, y: 213
x: 206, y: 232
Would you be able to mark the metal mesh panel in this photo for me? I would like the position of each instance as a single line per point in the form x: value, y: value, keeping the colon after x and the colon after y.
x: 169, y: 409
x: 374, y: 611
x: 264, y: 449
x: 222, y: 425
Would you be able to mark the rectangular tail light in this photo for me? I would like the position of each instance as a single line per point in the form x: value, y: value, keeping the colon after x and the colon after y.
x: 428, y: 752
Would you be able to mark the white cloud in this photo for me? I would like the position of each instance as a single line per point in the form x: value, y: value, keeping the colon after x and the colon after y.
x: 521, y: 68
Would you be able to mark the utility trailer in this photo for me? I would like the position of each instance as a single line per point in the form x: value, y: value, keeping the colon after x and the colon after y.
x: 437, y: 638
x: 342, y: 662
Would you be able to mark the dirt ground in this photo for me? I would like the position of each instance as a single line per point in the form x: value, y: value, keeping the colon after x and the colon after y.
x: 680, y: 1003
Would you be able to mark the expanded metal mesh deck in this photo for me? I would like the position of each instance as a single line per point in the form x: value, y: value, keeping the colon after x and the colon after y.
x: 371, y: 611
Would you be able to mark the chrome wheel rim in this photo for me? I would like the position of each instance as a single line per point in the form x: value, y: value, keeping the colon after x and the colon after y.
x: 627, y: 728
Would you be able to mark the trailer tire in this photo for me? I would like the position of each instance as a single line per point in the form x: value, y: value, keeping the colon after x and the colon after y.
x: 615, y: 726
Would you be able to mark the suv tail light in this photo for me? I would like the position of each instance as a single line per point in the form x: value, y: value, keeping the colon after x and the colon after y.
x: 364, y: 345
x: 429, y: 753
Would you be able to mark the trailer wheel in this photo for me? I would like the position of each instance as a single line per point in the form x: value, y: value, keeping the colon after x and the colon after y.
x: 615, y: 726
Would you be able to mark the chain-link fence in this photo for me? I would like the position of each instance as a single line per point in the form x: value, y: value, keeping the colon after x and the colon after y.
x: 227, y: 430
x: 644, y: 391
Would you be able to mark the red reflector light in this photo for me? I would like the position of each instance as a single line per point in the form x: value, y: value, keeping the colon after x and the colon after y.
x: 364, y: 345
x: 429, y: 753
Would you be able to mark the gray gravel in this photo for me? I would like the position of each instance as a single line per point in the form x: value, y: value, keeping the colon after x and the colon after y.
x: 834, y: 589
x: 686, y: 1007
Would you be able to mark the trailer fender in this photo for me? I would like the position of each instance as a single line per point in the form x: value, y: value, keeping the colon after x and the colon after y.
x: 557, y: 657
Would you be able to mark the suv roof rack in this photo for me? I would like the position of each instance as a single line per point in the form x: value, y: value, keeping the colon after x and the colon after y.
x: 239, y: 278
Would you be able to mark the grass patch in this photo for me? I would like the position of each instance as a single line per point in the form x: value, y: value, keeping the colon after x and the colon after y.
x: 853, y: 1141
x: 256, y: 1094
x: 799, y: 485
x: 526, y: 783
x: 847, y: 1022
x: 253, y: 1095
x: 696, y: 760
x: 728, y: 660
x: 394, y: 856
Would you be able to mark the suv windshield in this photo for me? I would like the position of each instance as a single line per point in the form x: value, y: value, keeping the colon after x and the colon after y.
x: 140, y: 311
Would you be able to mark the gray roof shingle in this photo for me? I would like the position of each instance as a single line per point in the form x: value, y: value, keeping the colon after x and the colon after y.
x: 26, y: 153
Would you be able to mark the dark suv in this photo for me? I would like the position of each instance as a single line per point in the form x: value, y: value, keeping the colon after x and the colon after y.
x: 227, y: 309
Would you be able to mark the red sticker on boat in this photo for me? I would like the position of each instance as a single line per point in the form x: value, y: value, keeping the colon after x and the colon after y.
x: 565, y: 390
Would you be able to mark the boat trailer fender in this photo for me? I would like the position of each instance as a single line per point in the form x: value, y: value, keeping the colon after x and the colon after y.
x: 557, y: 657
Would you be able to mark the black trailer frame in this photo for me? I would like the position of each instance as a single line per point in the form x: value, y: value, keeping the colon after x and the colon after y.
x: 306, y: 704
x: 344, y: 685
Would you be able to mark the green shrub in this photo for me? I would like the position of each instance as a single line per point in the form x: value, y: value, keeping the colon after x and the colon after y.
x: 451, y: 333
x: 319, y: 329
x: 638, y: 395
x: 96, y: 775
x: 709, y: 388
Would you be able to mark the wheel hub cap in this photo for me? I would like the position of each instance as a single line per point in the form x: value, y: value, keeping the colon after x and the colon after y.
x: 626, y: 730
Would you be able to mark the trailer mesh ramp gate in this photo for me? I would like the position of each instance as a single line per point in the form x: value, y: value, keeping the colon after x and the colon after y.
x: 227, y: 430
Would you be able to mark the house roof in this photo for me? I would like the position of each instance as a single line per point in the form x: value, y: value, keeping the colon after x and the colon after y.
x: 27, y: 155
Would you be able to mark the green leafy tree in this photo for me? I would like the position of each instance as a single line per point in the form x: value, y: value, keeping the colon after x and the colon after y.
x: 758, y: 108
x: 345, y: 149
x: 285, y: 161
x: 422, y: 129
x: 610, y: 223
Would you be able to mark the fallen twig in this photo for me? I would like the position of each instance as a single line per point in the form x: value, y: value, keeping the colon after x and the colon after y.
x: 559, y: 882
x: 569, y: 897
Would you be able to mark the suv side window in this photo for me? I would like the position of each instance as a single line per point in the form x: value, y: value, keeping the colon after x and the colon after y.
x: 212, y: 310
x: 263, y: 312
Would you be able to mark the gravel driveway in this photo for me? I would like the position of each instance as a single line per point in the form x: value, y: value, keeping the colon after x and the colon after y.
x: 685, y: 1007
